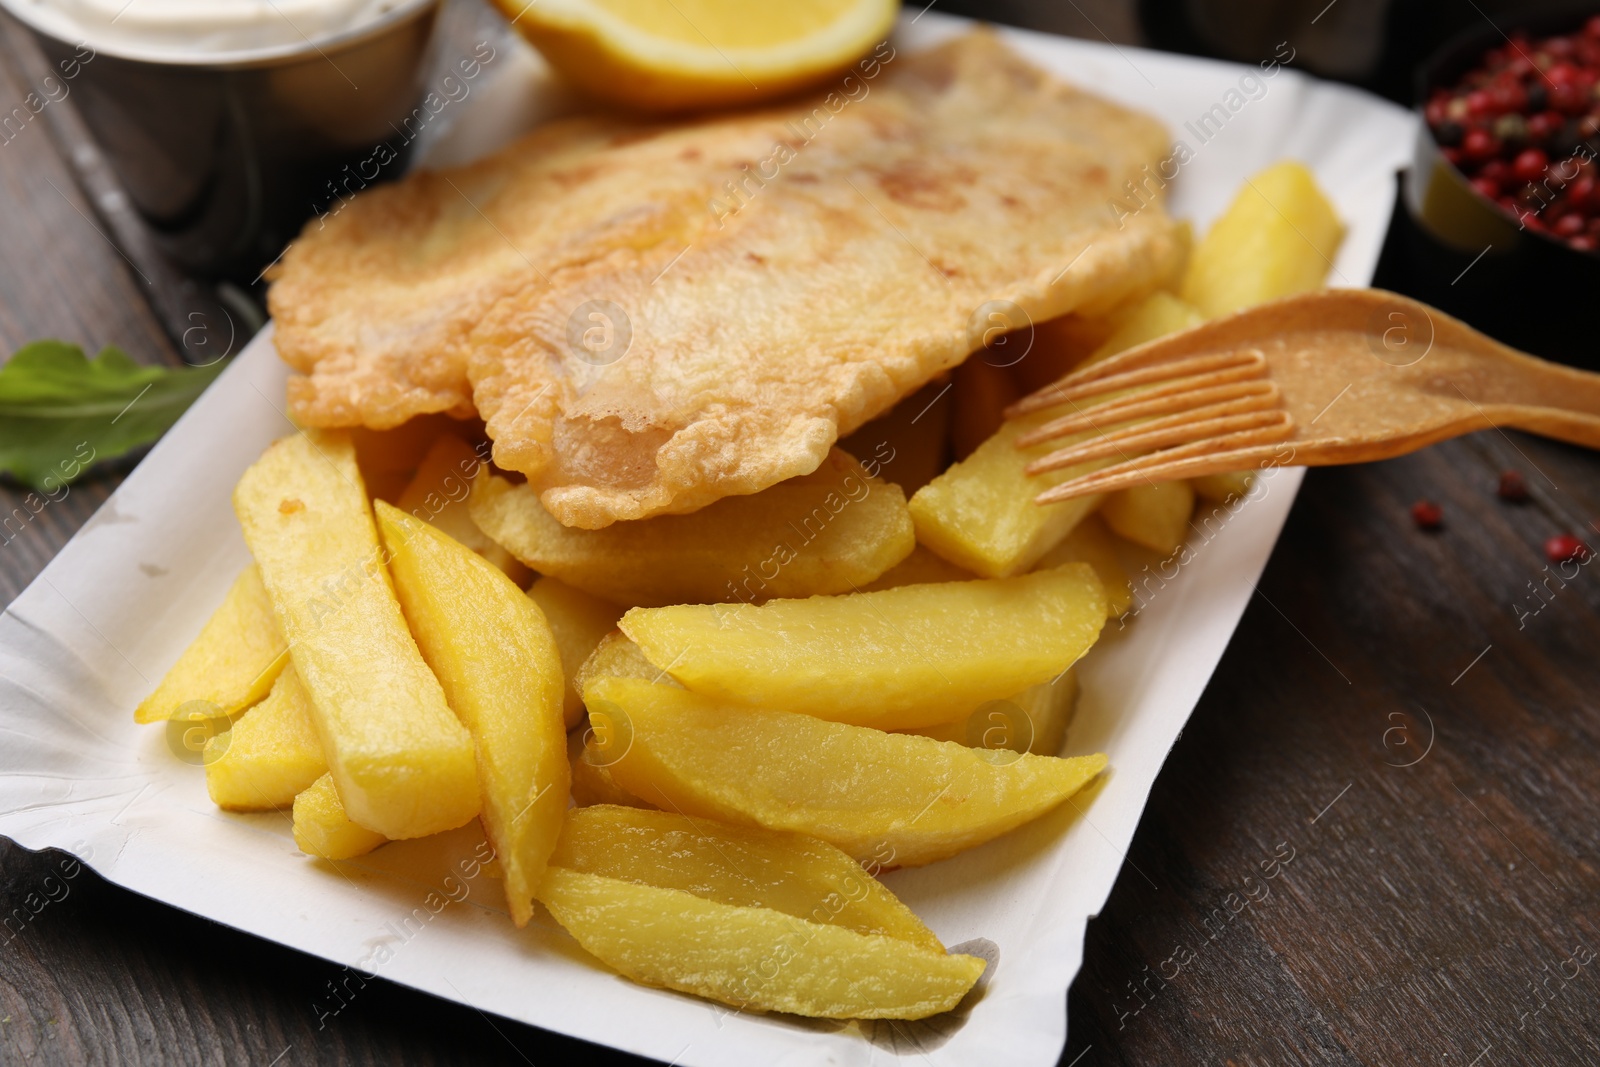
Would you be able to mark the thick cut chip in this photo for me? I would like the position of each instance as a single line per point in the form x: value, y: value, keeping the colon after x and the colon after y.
x: 1090, y: 542
x: 579, y: 621
x: 919, y: 568
x: 271, y: 755
x: 438, y: 493
x: 231, y: 665
x: 1277, y: 238
x: 744, y: 866
x: 323, y: 828
x: 1224, y: 488
x: 893, y: 659
x: 1156, y: 316
x: 402, y: 760
x: 617, y: 656
x: 753, y: 958
x: 644, y: 335
x: 493, y: 652
x: 980, y: 513
x: 825, y: 532
x: 1155, y: 516
x: 892, y: 799
x: 591, y: 781
x: 1035, y: 720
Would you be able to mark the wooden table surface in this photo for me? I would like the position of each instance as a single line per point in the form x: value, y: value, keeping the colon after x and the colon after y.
x: 1405, y: 721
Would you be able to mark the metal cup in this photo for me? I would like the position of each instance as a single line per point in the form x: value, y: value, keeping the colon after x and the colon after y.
x: 225, y: 155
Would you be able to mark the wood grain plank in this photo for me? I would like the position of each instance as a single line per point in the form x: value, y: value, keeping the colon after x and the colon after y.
x: 1427, y: 907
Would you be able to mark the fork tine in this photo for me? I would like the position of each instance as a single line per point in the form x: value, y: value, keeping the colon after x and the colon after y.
x: 1145, y: 437
x: 1162, y: 400
x: 1112, y: 375
x: 1236, y: 451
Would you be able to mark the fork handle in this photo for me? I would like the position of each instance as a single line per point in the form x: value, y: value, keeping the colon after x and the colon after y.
x: 1543, y: 398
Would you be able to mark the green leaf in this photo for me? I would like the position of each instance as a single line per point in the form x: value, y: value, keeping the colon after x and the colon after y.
x: 61, y: 412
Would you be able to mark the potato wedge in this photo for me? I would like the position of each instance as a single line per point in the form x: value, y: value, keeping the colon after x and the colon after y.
x: 402, y: 760
x: 617, y: 656
x: 231, y: 665
x: 438, y: 493
x: 1155, y: 516
x: 322, y: 828
x: 893, y: 799
x: 591, y: 782
x: 1035, y: 720
x: 1090, y: 542
x: 980, y: 513
x: 821, y: 533
x: 1224, y: 488
x: 893, y: 659
x: 579, y: 622
x: 493, y: 652
x: 271, y: 755
x: 1277, y: 238
x: 1154, y: 317
x: 920, y: 568
x: 754, y: 958
x: 744, y: 866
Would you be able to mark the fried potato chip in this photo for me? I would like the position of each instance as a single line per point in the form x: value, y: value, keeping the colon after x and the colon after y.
x: 824, y: 532
x: 892, y: 659
x: 402, y: 760
x: 893, y: 799
x: 270, y: 756
x: 231, y: 665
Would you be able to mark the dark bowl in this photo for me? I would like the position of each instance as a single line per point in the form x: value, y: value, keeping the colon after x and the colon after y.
x: 1468, y: 256
x: 225, y: 155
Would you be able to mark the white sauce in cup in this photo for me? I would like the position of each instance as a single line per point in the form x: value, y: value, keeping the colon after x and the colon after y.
x: 200, y: 27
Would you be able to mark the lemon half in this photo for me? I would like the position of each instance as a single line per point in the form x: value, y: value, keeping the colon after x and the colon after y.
x: 678, y: 55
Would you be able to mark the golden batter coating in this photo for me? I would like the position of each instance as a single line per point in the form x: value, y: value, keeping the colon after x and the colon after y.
x: 652, y: 317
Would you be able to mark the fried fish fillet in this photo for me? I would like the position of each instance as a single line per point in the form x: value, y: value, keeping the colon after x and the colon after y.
x: 652, y: 317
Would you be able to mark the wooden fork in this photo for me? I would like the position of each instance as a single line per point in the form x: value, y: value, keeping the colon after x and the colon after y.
x: 1339, y: 376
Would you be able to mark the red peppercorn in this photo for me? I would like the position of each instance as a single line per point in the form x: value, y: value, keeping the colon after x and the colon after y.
x: 1562, y: 74
x: 1530, y: 164
x: 1427, y: 515
x: 1513, y: 487
x: 1584, y: 243
x: 1544, y: 125
x: 1479, y: 144
x: 1569, y: 226
x: 1592, y: 27
x: 1569, y: 99
x: 1486, y: 187
x: 1564, y: 548
x: 1480, y: 103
